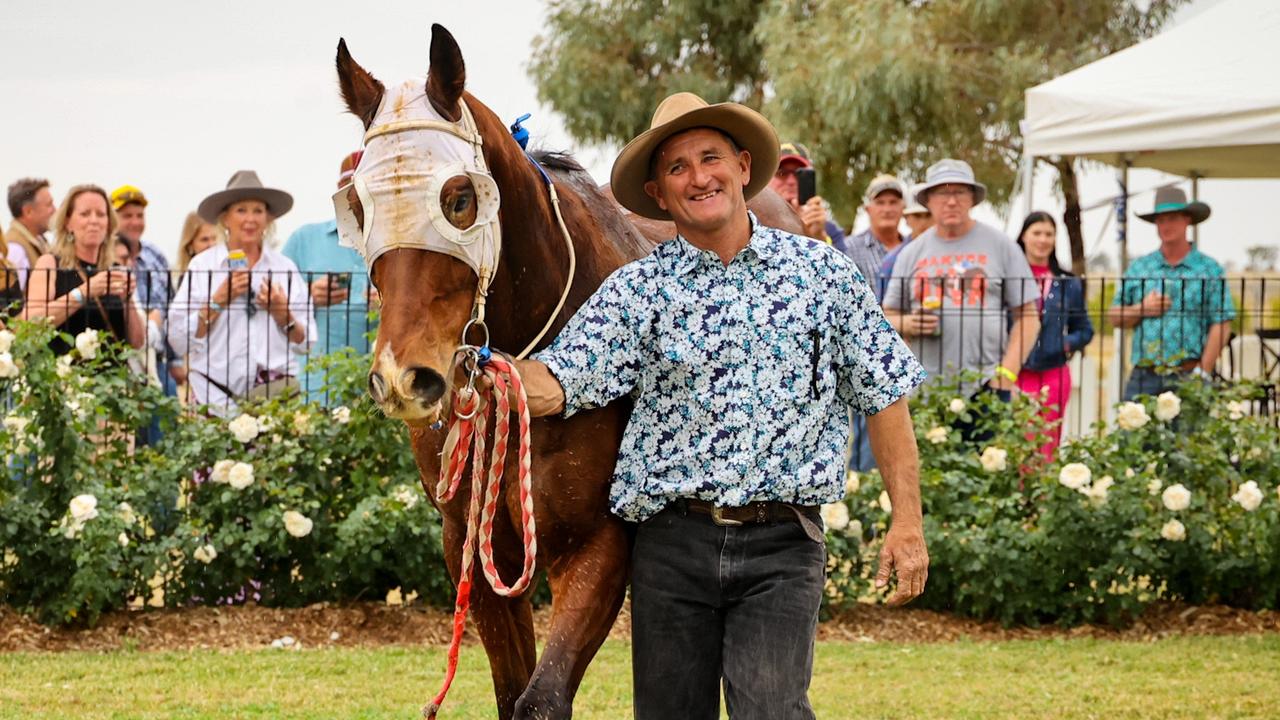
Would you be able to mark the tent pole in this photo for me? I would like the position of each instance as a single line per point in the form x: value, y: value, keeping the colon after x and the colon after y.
x: 1029, y: 176
x: 1195, y: 196
x: 1122, y: 216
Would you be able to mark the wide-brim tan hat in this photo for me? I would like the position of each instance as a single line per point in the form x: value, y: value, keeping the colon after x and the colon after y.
x: 686, y: 111
x: 244, y: 185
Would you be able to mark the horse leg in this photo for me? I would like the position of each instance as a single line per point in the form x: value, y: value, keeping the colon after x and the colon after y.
x: 587, y: 588
x: 505, y: 626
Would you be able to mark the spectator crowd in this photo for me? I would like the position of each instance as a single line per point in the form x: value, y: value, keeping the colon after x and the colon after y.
x: 234, y: 318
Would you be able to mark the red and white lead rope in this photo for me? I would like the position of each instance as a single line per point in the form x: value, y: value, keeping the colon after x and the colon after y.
x: 466, y: 440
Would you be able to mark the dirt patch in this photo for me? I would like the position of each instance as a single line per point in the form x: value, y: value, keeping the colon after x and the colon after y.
x: 377, y: 625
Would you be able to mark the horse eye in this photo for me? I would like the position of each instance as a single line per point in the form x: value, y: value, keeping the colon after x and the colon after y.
x: 457, y: 202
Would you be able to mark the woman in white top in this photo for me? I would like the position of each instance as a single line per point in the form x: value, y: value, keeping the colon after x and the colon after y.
x: 242, y: 323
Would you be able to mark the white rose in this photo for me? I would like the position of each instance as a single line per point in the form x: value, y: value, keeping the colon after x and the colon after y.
x: 87, y: 344
x: 220, y: 471
x: 1174, y: 531
x: 835, y: 516
x: 265, y: 423
x: 205, y: 554
x: 297, y: 524
x: 240, y: 476
x: 63, y: 366
x: 1075, y: 475
x: 1154, y: 486
x: 8, y: 369
x: 854, y: 530
x: 84, y: 507
x: 341, y: 414
x: 885, y: 504
x: 123, y: 540
x: 125, y: 512
x: 406, y: 495
x: 1249, y: 496
x: 1131, y: 416
x: 244, y: 428
x: 302, y: 422
x: 852, y: 481
x: 1097, y: 492
x: 1168, y: 405
x: 936, y: 435
x: 1176, y: 497
x: 6, y: 341
x: 956, y: 405
x: 1236, y: 410
x: 1129, y: 473
x: 16, y: 425
x: 72, y: 530
x: 994, y: 459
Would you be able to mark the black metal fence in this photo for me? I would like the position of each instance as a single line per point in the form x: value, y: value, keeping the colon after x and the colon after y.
x: 227, y: 351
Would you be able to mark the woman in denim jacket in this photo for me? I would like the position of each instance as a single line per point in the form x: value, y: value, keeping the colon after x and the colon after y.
x: 1064, y: 324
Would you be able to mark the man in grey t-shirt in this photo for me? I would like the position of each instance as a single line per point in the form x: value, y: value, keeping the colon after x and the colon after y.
x: 955, y: 285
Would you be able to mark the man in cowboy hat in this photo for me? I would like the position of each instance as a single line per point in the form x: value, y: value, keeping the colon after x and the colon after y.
x: 743, y: 348
x: 339, y: 286
x: 1176, y: 301
x: 951, y: 287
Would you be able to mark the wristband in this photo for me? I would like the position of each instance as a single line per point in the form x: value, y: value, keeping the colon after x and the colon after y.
x: 289, y: 326
x: 216, y: 306
x: 1006, y: 373
x: 77, y: 296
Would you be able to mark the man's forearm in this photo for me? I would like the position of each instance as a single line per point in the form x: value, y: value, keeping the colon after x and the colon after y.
x: 546, y: 397
x: 1125, y: 317
x: 1219, y: 335
x: 1021, y: 339
x: 893, y: 442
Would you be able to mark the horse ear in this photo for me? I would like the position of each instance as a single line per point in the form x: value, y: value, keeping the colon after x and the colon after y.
x: 447, y: 75
x: 361, y: 91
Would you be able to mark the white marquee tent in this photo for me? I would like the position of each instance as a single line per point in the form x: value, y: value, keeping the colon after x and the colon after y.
x: 1201, y: 99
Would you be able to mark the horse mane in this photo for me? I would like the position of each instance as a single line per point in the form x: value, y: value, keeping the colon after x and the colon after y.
x: 567, y: 171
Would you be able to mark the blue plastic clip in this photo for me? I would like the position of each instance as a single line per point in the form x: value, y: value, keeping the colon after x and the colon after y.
x: 519, y: 132
x: 484, y: 354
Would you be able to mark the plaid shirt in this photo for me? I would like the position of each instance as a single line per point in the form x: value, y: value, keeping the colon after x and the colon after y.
x: 866, y: 251
x: 153, y: 279
x: 1199, y: 298
x: 743, y: 375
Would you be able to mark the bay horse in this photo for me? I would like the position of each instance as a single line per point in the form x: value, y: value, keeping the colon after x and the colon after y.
x: 427, y: 301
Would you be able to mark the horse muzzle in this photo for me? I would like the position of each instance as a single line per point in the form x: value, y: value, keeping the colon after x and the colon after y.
x: 411, y: 394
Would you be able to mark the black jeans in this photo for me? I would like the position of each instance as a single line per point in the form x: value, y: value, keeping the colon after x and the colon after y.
x: 733, y: 604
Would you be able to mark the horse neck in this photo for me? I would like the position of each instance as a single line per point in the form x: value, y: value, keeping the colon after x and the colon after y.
x: 534, y: 267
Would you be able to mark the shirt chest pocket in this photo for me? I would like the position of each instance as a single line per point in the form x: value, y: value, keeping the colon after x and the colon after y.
x: 794, y: 364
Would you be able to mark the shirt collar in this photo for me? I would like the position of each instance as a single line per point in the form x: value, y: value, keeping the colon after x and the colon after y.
x: 869, y: 238
x: 684, y: 257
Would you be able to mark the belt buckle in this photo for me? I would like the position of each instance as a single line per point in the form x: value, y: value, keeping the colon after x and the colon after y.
x: 717, y: 517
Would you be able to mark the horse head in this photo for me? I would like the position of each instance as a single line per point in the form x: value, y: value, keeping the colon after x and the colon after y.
x: 422, y: 209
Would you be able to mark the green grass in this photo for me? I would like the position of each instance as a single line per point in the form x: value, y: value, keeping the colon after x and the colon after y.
x: 1183, y: 677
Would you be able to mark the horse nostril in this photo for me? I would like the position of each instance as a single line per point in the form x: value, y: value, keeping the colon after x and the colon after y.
x: 427, y: 385
x: 377, y: 388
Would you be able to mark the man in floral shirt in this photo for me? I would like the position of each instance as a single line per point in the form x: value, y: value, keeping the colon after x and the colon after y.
x: 743, y: 348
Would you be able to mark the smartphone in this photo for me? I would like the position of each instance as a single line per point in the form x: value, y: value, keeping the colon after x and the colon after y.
x: 806, y: 184
x: 340, y: 281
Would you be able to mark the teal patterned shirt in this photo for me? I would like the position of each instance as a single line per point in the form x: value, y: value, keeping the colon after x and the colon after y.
x: 743, y: 375
x: 1199, y: 296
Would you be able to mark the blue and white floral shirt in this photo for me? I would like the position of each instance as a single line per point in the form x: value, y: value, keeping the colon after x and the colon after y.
x: 742, y: 376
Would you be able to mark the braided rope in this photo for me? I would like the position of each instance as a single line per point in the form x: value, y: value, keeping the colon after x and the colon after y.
x: 466, y: 441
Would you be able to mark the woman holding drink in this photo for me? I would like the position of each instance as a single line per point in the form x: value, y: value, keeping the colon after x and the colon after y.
x: 241, y: 316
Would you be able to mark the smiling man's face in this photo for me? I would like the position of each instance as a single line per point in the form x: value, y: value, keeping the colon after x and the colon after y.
x: 699, y: 178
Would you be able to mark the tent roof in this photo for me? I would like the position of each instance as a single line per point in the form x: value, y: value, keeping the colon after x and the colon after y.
x: 1201, y: 98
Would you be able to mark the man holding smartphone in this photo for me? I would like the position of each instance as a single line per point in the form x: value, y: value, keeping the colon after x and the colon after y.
x: 340, y: 290
x: 794, y: 170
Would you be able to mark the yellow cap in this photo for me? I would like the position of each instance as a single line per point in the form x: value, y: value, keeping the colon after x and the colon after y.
x: 126, y: 194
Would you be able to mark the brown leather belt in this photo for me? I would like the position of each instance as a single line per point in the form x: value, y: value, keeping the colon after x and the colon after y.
x: 756, y: 512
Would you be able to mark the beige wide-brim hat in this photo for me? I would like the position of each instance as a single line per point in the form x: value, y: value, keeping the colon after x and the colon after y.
x: 686, y: 111
x: 244, y: 185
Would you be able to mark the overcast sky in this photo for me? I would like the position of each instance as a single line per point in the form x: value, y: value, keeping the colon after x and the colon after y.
x: 176, y: 96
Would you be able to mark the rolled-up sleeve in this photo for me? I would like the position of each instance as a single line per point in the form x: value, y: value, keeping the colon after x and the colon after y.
x: 597, y: 357
x: 874, y: 367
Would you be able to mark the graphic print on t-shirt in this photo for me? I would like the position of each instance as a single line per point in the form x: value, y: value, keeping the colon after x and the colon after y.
x: 960, y: 279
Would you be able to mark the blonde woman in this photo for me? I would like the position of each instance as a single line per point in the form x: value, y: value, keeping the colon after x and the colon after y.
x: 197, y: 236
x: 76, y: 286
x: 242, y: 317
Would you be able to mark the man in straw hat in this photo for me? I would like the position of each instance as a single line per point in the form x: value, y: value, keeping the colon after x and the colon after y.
x: 744, y: 348
x: 1176, y: 301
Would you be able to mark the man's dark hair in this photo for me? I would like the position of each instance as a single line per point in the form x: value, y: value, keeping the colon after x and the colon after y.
x: 23, y: 192
x: 653, y: 159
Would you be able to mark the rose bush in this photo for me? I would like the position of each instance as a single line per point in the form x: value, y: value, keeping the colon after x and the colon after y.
x: 1185, y: 508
